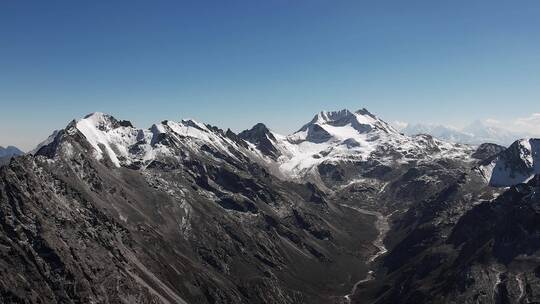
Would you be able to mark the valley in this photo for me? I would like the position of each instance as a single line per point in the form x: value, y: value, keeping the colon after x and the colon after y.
x: 382, y: 226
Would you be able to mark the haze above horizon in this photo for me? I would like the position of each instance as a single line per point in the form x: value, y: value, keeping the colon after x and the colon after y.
x: 236, y: 63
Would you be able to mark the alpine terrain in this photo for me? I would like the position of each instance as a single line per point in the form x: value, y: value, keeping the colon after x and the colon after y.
x: 345, y: 210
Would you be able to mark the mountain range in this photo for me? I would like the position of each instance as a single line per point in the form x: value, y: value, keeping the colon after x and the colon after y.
x: 475, y: 133
x: 345, y: 210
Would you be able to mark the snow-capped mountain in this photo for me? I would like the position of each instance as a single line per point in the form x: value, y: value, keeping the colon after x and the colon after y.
x: 123, y: 145
x: 517, y: 164
x: 475, y: 133
x: 345, y: 136
x: 329, y: 145
x: 329, y: 138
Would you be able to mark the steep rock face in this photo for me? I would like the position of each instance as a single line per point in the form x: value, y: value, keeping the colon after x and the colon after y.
x: 514, y: 165
x: 487, y: 151
x: 263, y: 139
x: 58, y: 247
x: 91, y: 217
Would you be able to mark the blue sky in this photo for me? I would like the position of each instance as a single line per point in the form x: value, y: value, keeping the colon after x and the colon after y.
x: 235, y: 63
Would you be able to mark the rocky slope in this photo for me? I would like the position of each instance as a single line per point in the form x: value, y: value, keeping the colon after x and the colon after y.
x: 449, y: 251
x: 517, y: 164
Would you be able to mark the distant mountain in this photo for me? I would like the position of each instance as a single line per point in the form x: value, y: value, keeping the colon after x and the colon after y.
x: 487, y: 134
x: 10, y: 151
x: 7, y: 153
x: 476, y: 133
x: 331, y: 141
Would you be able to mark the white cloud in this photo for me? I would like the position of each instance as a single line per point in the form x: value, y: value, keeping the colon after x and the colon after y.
x: 526, y: 125
x: 531, y: 123
x: 492, y: 121
x: 399, y: 125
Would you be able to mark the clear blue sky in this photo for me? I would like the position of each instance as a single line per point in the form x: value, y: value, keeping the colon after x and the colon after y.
x: 235, y: 63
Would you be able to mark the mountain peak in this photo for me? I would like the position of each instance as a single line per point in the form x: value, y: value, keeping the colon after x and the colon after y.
x: 260, y: 126
x: 10, y: 151
x: 97, y: 118
x: 103, y: 121
x: 262, y: 138
x: 364, y: 111
x: 329, y: 116
x: 107, y: 135
x: 261, y: 129
x: 194, y: 124
x: 96, y: 115
x: 341, y: 124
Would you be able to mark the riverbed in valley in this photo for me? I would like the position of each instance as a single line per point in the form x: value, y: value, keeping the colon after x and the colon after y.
x: 383, y: 226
